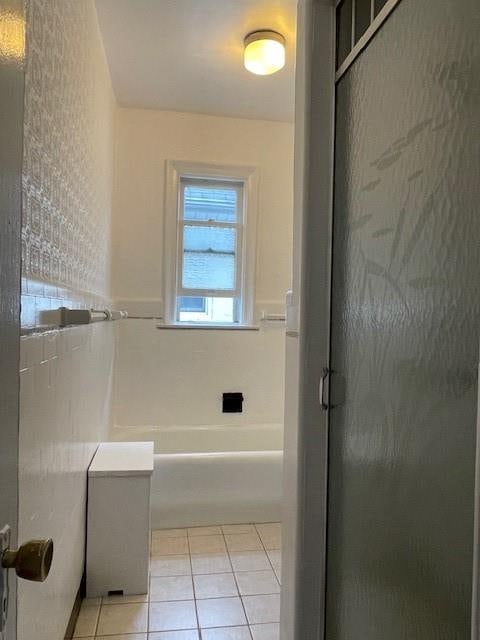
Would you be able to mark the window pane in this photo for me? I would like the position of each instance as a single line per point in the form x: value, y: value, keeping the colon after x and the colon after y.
x: 363, y: 17
x: 379, y: 4
x: 192, y: 304
x: 209, y: 258
x: 216, y: 310
x: 344, y: 31
x: 205, y: 202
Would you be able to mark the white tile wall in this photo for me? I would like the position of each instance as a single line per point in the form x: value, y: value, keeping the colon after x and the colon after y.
x: 65, y: 400
x: 167, y: 377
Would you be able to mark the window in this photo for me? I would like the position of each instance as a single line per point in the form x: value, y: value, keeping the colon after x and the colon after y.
x: 210, y: 220
x: 354, y: 19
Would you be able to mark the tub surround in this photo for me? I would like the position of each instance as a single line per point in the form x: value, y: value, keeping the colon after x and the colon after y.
x: 158, y: 372
x: 171, y: 378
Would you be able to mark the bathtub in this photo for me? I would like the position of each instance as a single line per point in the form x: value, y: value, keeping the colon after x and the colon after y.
x: 213, y: 474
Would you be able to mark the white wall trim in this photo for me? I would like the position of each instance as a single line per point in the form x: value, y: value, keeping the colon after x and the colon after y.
x: 175, y: 170
x: 316, y: 181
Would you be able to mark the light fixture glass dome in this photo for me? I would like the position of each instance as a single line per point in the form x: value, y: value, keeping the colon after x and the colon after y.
x: 264, y: 52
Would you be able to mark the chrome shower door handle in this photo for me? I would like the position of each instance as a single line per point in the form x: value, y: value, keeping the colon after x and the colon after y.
x: 321, y: 388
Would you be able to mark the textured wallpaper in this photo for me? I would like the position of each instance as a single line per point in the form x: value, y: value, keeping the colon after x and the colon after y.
x: 67, y: 179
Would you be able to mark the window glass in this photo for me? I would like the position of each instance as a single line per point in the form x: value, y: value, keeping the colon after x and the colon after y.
x: 363, y: 17
x: 379, y: 4
x: 192, y: 304
x: 209, y: 203
x: 344, y: 31
x: 209, y: 257
x: 216, y: 310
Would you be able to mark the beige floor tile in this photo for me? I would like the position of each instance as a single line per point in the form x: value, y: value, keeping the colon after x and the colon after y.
x: 249, y: 561
x: 220, y: 612
x: 209, y: 563
x: 253, y: 583
x: 243, y: 542
x: 220, y: 585
x: 174, y: 635
x: 278, y: 573
x: 157, y: 534
x: 271, y: 535
x: 123, y: 618
x: 265, y: 631
x: 172, y: 616
x: 170, y: 566
x: 124, y: 599
x: 269, y: 528
x: 207, y: 544
x: 238, y: 528
x: 128, y: 636
x: 204, y: 531
x: 91, y: 602
x: 227, y: 633
x: 275, y: 557
x: 169, y: 547
x: 163, y: 589
x: 261, y: 609
x: 87, y: 621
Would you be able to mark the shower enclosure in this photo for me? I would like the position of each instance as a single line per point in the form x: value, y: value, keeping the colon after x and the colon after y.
x: 387, y: 510
x: 405, y: 312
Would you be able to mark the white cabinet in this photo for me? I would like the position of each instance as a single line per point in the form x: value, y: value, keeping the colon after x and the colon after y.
x: 118, y: 519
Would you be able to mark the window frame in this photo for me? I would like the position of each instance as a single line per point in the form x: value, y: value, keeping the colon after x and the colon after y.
x: 177, y: 175
x: 238, y: 226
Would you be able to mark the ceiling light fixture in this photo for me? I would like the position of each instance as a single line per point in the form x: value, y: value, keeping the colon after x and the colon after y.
x: 264, y: 52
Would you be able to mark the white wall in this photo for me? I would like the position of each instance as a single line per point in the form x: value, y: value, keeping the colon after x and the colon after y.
x: 166, y: 377
x: 66, y: 376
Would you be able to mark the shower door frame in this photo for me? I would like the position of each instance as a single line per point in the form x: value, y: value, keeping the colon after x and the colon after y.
x: 315, y: 128
x: 314, y: 147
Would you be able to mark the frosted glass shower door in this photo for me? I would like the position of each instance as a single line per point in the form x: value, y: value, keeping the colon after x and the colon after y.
x: 405, y: 329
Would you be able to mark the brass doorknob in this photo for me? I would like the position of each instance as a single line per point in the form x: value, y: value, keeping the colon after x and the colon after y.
x: 31, y: 561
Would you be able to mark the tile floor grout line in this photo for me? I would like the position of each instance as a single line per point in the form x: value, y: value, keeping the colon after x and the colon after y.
x: 149, y: 582
x: 148, y: 596
x: 243, y: 605
x: 267, y: 554
x: 238, y: 589
x: 98, y: 617
x: 193, y: 586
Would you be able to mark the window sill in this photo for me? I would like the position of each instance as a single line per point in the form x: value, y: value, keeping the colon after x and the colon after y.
x: 210, y: 327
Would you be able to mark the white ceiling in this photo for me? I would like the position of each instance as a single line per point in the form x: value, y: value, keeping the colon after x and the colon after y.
x: 187, y: 55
